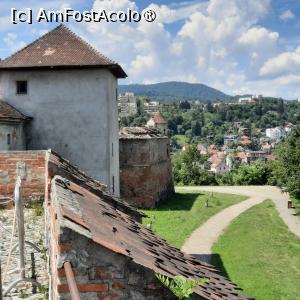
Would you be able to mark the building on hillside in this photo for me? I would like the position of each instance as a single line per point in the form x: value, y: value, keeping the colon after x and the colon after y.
x: 245, y: 131
x: 245, y: 141
x: 230, y: 139
x: 275, y: 133
x: 127, y: 105
x: 212, y: 149
x: 145, y: 166
x: 151, y: 107
x: 12, y: 128
x: 70, y: 91
x: 219, y: 164
x: 202, y: 149
x: 288, y: 127
x: 255, y: 155
x: 158, y: 122
x: 250, y: 99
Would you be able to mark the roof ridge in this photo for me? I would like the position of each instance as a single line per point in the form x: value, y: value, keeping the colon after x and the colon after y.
x: 87, y: 43
x: 30, y: 44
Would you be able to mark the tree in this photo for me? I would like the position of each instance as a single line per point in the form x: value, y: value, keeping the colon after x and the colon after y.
x: 196, y: 128
x: 286, y: 169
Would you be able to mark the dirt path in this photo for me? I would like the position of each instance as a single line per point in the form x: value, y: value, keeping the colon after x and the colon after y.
x: 202, y: 239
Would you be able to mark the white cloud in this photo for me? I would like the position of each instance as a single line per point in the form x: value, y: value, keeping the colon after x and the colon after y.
x: 217, y: 42
x: 287, y: 15
x: 13, y: 42
x: 257, y: 35
x: 287, y: 62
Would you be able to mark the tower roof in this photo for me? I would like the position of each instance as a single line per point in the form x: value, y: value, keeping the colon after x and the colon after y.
x: 60, y: 49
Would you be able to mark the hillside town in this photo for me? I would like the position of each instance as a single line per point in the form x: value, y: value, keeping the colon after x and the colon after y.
x: 149, y: 191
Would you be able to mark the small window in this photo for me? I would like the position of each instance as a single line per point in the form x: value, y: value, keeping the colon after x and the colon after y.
x: 112, y: 149
x: 113, y: 184
x: 8, y: 139
x: 21, y: 87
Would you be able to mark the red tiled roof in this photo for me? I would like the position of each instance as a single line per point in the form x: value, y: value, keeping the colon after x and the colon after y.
x: 121, y: 234
x: 10, y: 114
x: 158, y: 118
x: 60, y: 166
x: 60, y: 48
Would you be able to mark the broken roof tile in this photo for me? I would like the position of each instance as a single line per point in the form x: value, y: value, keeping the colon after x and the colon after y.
x: 127, y: 237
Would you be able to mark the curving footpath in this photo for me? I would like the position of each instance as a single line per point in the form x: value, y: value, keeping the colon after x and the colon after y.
x: 203, y: 238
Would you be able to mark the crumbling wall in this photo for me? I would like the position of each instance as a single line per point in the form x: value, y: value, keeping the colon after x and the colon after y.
x: 101, y: 274
x: 145, y: 171
x: 33, y: 185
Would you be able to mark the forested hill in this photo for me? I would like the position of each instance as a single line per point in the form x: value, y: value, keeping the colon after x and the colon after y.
x: 173, y: 91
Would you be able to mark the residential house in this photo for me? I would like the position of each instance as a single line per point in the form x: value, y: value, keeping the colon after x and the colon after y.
x: 218, y: 163
x: 202, y: 149
x: 245, y: 131
x: 158, y: 122
x: 275, y: 133
x: 230, y: 139
x: 151, y: 107
x: 70, y: 91
x: 212, y: 149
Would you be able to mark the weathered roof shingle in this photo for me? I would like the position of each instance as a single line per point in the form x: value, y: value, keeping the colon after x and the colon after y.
x: 57, y: 49
x: 10, y: 114
x: 120, y: 233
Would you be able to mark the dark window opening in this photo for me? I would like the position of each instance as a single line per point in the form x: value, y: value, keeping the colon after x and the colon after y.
x: 112, y: 149
x: 21, y: 87
x: 113, y: 184
x: 8, y: 139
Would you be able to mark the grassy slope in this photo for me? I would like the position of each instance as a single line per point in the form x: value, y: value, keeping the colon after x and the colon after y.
x: 261, y: 255
x: 177, y: 217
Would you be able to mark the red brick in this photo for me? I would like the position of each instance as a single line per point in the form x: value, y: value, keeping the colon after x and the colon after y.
x: 84, y: 288
x: 118, y: 285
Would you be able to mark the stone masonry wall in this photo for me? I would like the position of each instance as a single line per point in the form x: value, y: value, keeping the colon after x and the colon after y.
x: 102, y: 274
x: 34, y: 181
x: 145, y: 171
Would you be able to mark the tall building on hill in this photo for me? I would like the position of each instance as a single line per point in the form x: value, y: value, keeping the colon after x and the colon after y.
x: 127, y: 105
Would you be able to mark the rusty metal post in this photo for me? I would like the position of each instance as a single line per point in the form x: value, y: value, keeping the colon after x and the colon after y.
x: 71, y: 281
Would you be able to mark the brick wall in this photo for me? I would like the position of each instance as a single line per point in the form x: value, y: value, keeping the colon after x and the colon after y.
x: 145, y: 171
x: 34, y: 181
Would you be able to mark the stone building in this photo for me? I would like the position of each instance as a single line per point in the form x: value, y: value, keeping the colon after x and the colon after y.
x: 12, y: 128
x: 158, y: 122
x: 145, y: 166
x: 70, y: 91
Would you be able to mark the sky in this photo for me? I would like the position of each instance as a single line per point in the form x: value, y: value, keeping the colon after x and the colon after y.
x: 237, y: 46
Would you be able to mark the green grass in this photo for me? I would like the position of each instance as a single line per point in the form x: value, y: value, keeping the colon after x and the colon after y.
x: 176, y: 218
x: 261, y: 255
x: 181, y: 139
